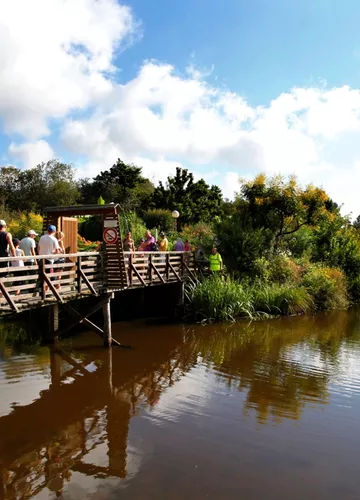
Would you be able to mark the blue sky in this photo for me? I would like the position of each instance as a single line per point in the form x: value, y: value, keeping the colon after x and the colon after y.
x: 259, y: 48
x: 226, y: 89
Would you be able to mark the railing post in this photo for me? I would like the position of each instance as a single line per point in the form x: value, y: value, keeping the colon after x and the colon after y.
x: 182, y: 267
x: 130, y: 269
x: 42, y: 278
x: 78, y: 273
x: 107, y: 322
x: 167, y: 266
x: 150, y: 267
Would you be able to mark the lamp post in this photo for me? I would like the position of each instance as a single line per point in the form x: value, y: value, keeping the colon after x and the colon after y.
x: 175, y: 215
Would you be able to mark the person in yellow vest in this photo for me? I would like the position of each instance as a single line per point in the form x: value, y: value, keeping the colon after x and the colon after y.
x: 215, y: 261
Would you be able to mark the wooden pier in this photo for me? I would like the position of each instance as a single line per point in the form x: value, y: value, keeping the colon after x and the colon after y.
x: 101, y: 274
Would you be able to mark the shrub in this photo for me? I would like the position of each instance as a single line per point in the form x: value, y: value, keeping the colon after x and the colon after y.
x: 354, y: 289
x: 327, y: 286
x: 19, y: 223
x: 159, y: 219
x: 279, y: 269
x: 199, y: 235
x: 282, y: 299
x: 218, y: 299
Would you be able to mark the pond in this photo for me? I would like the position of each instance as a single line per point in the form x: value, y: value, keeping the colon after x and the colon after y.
x: 268, y: 410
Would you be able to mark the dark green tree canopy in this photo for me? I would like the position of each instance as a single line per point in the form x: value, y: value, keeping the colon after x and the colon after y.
x: 122, y: 183
x: 196, y: 201
x: 48, y: 184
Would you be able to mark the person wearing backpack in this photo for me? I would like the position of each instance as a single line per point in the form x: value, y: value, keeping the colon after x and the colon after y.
x: 149, y: 242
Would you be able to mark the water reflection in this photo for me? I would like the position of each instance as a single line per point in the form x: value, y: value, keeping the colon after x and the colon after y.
x: 78, y: 425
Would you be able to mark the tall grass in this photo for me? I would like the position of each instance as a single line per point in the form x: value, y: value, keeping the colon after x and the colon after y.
x: 218, y: 299
x: 225, y: 299
x: 284, y: 299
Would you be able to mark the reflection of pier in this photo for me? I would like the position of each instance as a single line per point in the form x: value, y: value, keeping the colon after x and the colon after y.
x: 85, y: 406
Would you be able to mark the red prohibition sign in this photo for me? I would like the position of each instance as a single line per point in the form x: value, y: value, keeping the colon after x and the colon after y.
x: 110, y: 235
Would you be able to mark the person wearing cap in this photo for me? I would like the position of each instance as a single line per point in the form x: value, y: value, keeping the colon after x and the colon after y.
x: 48, y: 245
x: 6, y: 243
x: 163, y: 242
x: 27, y: 245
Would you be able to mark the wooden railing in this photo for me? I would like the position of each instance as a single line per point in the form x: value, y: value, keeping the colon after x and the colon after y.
x: 41, y: 282
x: 83, y: 274
x: 148, y: 268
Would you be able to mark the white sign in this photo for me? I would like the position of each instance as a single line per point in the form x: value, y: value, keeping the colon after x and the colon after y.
x: 110, y: 223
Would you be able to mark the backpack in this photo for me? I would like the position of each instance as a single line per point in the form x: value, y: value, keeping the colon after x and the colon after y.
x: 155, y: 247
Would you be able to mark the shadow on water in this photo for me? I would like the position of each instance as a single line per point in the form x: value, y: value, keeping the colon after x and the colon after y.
x: 84, y: 420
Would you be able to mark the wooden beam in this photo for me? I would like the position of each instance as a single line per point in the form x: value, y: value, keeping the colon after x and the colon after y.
x: 52, y: 288
x: 8, y: 297
x: 137, y: 274
x: 175, y: 273
x: 107, y: 323
x: 157, y: 272
x: 87, y: 282
x: 78, y: 275
x: 189, y: 271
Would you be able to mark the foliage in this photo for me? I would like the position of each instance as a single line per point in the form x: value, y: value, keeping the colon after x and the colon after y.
x: 131, y: 222
x: 199, y: 235
x: 338, y: 245
x: 48, y: 184
x: 278, y: 269
x: 283, y: 206
x: 195, y: 201
x: 240, y: 243
x: 327, y: 286
x: 122, y: 183
x: 87, y: 245
x: 159, y: 218
x: 217, y: 299
x: 19, y: 223
x: 91, y: 228
x: 225, y: 299
x: 282, y: 299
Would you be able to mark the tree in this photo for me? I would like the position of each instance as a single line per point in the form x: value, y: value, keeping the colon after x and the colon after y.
x: 160, y: 219
x: 48, y: 184
x: 122, y: 183
x: 283, y: 206
x: 196, y: 201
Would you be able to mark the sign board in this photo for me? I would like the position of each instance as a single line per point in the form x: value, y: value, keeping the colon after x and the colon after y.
x: 110, y: 235
x: 110, y: 223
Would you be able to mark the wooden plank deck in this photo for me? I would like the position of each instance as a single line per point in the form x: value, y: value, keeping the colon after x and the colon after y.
x: 85, y: 274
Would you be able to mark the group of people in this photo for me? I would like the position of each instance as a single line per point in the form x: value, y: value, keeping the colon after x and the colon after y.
x: 50, y: 244
x: 149, y: 244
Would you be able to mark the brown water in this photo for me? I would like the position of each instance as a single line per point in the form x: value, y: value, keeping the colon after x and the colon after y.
x: 263, y: 411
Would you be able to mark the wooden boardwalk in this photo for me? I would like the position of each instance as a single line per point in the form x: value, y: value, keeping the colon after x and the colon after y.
x: 86, y: 274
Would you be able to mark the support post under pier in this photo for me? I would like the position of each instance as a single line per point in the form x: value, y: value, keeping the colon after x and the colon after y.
x: 107, y: 322
x: 53, y: 322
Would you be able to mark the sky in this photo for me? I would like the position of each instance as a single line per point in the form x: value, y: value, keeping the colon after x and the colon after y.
x: 226, y: 89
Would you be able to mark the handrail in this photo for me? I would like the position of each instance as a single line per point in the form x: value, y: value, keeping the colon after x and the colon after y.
x: 86, y: 254
x: 49, y: 256
x: 157, y: 252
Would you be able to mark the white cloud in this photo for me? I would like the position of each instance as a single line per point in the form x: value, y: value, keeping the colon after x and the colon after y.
x: 60, y: 57
x: 56, y: 56
x: 31, y: 154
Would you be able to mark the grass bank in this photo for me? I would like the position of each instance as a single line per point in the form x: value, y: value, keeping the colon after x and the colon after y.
x: 219, y: 298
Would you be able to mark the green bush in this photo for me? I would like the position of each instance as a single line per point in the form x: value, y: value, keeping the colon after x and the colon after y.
x: 327, y: 286
x: 218, y: 299
x: 354, y: 289
x: 199, y: 235
x: 159, y: 219
x: 282, y: 299
x: 278, y: 269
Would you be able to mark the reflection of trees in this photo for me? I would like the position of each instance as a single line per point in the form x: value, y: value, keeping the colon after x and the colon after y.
x: 259, y: 358
x: 42, y: 444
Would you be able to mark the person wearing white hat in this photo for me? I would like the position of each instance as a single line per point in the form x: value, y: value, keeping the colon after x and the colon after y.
x: 27, y: 245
